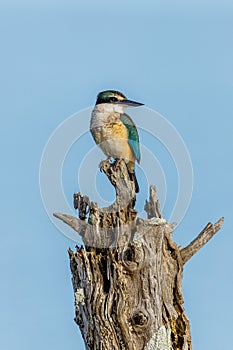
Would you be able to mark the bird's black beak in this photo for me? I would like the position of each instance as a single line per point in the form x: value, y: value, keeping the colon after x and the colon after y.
x: 129, y: 103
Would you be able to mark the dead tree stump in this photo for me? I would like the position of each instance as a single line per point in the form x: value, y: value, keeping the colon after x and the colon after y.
x: 127, y: 279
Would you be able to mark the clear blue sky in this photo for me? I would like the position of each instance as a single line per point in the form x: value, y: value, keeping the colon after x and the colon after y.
x: 177, y: 58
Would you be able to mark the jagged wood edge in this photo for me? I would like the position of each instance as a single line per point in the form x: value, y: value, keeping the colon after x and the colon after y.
x: 153, y: 211
x: 186, y: 253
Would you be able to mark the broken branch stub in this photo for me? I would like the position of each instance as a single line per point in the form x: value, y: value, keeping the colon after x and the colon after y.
x: 128, y: 279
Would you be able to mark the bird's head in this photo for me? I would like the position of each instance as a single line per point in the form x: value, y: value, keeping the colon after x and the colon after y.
x: 116, y: 98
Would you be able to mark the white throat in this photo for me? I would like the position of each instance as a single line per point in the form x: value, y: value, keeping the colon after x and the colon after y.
x: 110, y: 107
x: 103, y: 111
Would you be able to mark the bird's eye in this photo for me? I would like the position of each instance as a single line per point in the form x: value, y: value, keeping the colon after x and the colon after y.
x: 113, y: 99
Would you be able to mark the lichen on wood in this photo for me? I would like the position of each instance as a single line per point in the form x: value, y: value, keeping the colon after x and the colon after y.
x: 127, y: 278
x: 161, y: 340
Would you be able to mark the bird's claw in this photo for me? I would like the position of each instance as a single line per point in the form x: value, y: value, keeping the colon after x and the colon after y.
x: 117, y: 163
x: 103, y: 163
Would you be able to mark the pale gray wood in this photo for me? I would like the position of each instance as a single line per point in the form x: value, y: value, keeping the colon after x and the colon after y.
x: 127, y: 279
x: 206, y: 234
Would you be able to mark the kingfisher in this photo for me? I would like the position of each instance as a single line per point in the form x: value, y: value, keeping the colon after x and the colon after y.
x: 114, y: 131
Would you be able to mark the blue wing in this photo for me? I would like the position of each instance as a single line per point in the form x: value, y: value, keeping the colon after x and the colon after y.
x: 133, y: 137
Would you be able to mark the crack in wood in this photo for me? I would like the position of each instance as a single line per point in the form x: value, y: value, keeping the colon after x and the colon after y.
x: 128, y: 279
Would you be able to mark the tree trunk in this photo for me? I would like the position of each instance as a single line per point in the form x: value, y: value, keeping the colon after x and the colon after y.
x: 128, y: 279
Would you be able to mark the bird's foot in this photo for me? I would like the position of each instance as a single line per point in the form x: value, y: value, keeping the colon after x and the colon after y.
x: 117, y: 163
x: 103, y: 163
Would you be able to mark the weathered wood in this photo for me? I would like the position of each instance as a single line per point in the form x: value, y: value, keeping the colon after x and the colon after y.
x: 128, y: 279
x: 206, y: 234
x: 152, y: 207
x: 78, y: 225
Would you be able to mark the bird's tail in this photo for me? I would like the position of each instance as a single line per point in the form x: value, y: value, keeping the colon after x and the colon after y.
x: 133, y: 178
x: 132, y: 175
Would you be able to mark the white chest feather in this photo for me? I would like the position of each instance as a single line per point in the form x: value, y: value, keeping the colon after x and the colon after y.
x: 110, y: 133
x: 105, y: 113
